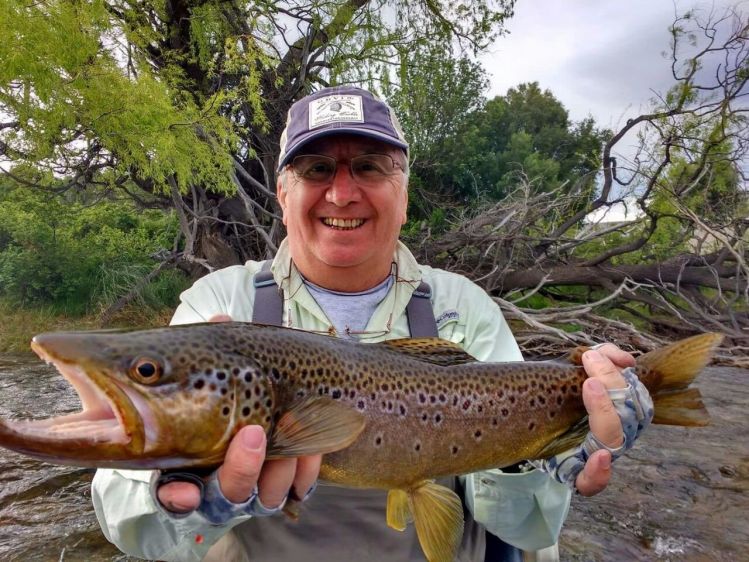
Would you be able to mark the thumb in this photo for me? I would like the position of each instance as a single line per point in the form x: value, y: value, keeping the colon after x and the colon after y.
x: 244, y: 459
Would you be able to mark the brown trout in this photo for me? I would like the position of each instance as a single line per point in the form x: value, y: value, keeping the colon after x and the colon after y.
x: 393, y: 415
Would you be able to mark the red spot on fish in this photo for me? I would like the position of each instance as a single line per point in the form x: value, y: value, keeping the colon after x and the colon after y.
x: 198, y: 539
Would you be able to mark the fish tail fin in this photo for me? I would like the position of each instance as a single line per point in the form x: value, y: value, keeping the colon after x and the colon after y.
x: 437, y: 513
x: 676, y: 367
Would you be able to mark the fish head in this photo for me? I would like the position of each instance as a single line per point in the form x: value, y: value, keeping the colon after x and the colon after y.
x: 163, y: 398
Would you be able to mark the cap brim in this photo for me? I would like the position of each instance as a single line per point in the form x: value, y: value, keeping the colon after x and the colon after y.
x: 314, y: 135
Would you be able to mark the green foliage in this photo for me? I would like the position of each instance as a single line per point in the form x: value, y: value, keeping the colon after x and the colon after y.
x: 77, y: 257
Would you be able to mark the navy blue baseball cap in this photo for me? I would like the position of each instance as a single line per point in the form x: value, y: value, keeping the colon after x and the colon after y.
x: 336, y: 110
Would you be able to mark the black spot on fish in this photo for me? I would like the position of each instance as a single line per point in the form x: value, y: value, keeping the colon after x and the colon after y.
x: 245, y: 411
x: 505, y: 412
x: 559, y: 400
x: 336, y: 394
x: 225, y: 411
x: 292, y: 365
x: 454, y: 450
x: 466, y: 404
x: 221, y: 376
x: 268, y: 403
x: 533, y: 402
x: 422, y: 398
x: 531, y: 425
x: 424, y: 417
x: 573, y: 389
x: 224, y: 390
x: 495, y: 422
x: 385, y: 387
x: 512, y: 399
x: 248, y: 393
x: 417, y: 447
x: 541, y: 400
x: 402, y: 409
x: 477, y: 434
x: 212, y: 387
x: 433, y: 399
x: 437, y: 418
x: 352, y: 394
x: 200, y: 383
x: 360, y: 404
x: 276, y: 374
x: 378, y: 440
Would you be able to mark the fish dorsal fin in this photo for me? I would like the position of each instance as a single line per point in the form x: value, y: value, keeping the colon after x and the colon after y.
x: 568, y: 440
x: 398, y: 511
x: 438, y: 516
x: 315, y: 425
x: 432, y: 350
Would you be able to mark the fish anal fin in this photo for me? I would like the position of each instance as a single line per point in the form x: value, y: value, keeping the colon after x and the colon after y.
x: 398, y: 510
x: 432, y: 350
x: 681, y: 407
x: 568, y: 440
x: 313, y: 426
x: 438, y: 517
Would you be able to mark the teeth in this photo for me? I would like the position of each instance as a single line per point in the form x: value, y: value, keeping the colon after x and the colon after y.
x: 343, y: 223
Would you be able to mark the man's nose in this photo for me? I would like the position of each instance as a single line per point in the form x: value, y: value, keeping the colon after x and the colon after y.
x: 343, y: 190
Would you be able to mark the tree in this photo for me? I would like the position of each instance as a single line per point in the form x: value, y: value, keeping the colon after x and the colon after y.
x: 181, y: 103
x: 680, y: 268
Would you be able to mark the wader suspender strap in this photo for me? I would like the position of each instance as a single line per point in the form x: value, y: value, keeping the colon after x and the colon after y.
x: 419, y: 313
x: 268, y: 307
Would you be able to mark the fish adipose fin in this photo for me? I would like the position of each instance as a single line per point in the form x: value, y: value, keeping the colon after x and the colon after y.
x: 677, y: 365
x: 313, y: 426
x: 432, y: 350
x: 437, y: 513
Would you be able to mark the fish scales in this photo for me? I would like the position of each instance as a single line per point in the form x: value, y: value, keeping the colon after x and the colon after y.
x: 392, y: 415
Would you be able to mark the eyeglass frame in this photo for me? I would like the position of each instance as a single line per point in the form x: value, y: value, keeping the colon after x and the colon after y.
x: 396, y: 166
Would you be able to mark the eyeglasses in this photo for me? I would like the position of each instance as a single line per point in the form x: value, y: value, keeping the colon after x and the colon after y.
x: 366, y: 169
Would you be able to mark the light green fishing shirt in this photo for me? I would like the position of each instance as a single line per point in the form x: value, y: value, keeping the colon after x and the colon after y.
x: 526, y: 510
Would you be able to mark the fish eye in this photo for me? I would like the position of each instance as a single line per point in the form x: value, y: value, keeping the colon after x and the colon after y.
x: 146, y: 370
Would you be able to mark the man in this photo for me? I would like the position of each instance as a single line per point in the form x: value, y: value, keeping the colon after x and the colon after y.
x: 342, y: 187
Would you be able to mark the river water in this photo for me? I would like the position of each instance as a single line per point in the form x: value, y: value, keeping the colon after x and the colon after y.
x: 682, y: 494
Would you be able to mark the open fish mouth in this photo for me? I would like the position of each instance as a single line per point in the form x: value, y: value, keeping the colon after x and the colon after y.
x: 109, y: 425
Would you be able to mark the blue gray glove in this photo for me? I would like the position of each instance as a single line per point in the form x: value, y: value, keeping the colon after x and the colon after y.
x: 635, y: 408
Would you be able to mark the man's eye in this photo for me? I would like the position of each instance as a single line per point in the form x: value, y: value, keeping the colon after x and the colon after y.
x: 369, y: 167
x: 319, y: 169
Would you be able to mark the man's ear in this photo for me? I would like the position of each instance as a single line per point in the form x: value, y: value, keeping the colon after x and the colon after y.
x: 405, y: 205
x: 281, y: 196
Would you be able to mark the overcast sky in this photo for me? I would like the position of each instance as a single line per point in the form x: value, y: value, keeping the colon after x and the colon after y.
x: 599, y: 57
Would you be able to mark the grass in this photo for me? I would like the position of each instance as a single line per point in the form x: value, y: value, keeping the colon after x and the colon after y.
x: 19, y: 325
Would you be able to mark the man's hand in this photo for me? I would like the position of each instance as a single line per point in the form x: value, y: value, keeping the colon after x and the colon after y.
x: 603, y: 366
x: 244, y: 469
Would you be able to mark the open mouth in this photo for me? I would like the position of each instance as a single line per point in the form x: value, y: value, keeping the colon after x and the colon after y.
x: 108, y: 425
x: 343, y: 224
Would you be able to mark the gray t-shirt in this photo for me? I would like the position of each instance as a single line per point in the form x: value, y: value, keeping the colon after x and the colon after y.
x: 349, y: 312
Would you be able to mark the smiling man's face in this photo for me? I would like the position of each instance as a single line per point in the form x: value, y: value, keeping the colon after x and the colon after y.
x: 342, y: 235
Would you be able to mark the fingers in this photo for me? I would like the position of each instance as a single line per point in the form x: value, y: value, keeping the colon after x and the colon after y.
x: 602, y: 417
x: 275, y: 480
x: 617, y: 356
x: 307, y: 471
x: 179, y: 497
x: 240, y: 472
x: 595, y: 475
x: 598, y: 364
x: 220, y: 318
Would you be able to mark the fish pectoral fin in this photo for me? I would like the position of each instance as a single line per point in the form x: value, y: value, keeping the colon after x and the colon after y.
x: 314, y: 426
x: 432, y: 350
x: 438, y: 516
x: 398, y: 510
x: 568, y: 440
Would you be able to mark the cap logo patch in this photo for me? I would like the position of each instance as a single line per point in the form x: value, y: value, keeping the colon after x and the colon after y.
x: 341, y: 108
